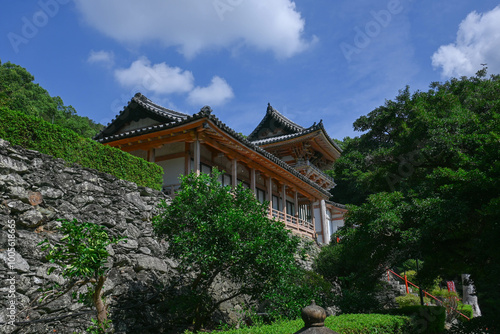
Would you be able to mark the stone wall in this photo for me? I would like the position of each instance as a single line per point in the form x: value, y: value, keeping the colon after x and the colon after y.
x: 35, y: 191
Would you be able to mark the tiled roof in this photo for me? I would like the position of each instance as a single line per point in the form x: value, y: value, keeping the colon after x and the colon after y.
x: 206, y: 112
x: 146, y: 103
x: 311, y: 129
x: 273, y: 114
x: 340, y: 206
x: 159, y: 113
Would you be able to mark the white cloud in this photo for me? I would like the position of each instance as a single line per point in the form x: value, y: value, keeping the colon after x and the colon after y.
x: 101, y: 57
x: 478, y: 42
x: 217, y: 93
x: 162, y: 80
x: 157, y: 78
x: 195, y: 25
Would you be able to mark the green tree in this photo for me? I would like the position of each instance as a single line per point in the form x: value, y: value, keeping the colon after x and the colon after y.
x: 223, y: 232
x: 82, y: 253
x: 428, y: 169
x: 18, y: 92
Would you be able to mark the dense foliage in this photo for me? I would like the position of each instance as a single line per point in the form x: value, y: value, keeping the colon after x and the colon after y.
x: 34, y: 133
x: 19, y: 92
x: 223, y: 232
x: 426, y: 175
x: 426, y: 319
x: 82, y: 254
x: 287, y: 297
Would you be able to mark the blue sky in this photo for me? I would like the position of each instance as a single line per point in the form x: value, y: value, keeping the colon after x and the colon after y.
x: 311, y: 59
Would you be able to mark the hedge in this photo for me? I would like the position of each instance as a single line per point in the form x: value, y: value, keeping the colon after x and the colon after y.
x: 343, y: 324
x: 428, y: 319
x: 370, y: 323
x: 34, y: 133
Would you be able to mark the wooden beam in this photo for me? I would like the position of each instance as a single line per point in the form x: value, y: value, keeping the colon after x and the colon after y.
x: 154, y: 143
x: 170, y: 156
x: 183, y: 128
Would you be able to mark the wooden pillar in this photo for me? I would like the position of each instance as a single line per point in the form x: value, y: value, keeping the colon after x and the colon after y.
x: 253, y: 181
x: 296, y: 204
x: 283, y: 199
x: 197, y: 153
x: 151, y: 155
x: 270, y: 192
x: 234, y: 172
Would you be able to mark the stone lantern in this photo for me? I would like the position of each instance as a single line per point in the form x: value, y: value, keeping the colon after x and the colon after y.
x: 314, y: 318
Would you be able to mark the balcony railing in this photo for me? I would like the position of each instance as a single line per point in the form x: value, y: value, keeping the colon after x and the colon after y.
x: 293, y: 223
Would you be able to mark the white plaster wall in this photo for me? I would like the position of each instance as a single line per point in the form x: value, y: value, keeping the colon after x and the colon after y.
x: 336, y: 224
x: 172, y: 169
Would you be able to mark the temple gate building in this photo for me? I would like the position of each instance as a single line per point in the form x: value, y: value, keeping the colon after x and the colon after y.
x: 280, y: 161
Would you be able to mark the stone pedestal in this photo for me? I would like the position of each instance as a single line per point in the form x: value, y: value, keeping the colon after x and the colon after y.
x: 314, y: 318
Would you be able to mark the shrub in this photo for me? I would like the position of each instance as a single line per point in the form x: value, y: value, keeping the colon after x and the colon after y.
x: 34, y: 133
x: 443, y: 293
x: 427, y: 319
x: 293, y: 292
x: 370, y: 323
x: 82, y: 253
x: 465, y: 310
x: 410, y: 275
x: 476, y: 325
x: 410, y: 300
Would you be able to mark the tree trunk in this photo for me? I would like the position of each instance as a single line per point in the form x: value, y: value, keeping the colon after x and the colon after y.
x: 468, y: 297
x: 102, y: 315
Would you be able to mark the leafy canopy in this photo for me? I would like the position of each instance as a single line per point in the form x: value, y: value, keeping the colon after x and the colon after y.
x: 18, y: 92
x: 426, y: 175
x: 81, y: 252
x: 217, y: 231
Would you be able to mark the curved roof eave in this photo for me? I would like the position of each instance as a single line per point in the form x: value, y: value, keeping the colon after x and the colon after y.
x: 281, y: 119
x: 309, y: 130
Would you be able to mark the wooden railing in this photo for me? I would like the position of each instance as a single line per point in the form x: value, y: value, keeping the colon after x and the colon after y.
x: 293, y: 223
